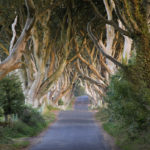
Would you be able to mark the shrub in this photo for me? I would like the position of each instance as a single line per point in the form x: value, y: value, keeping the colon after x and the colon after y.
x: 21, y: 129
x: 1, y: 112
x: 50, y: 107
x: 3, y: 136
x: 60, y: 102
x: 30, y: 123
x: 32, y: 117
x: 11, y: 95
x: 128, y: 104
x: 79, y: 90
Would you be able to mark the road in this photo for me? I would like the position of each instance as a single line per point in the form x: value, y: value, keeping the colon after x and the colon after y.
x: 74, y: 130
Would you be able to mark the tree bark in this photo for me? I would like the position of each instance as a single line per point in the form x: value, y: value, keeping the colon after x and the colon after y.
x: 13, y: 61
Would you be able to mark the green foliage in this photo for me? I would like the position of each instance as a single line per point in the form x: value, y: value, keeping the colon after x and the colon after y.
x: 31, y: 122
x: 129, y: 104
x: 71, y: 104
x: 49, y: 117
x: 20, y: 129
x: 6, y: 141
x: 21, y: 144
x: 121, y: 134
x: 1, y: 112
x: 79, y: 90
x: 12, y: 98
x: 3, y: 136
x: 28, y: 127
x: 32, y: 117
x: 60, y: 102
x: 51, y: 108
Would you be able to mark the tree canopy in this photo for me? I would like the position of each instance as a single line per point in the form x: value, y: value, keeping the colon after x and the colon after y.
x: 54, y: 44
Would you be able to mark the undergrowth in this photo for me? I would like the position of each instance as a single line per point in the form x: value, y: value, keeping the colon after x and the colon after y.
x: 116, y: 129
x: 71, y: 104
x: 127, y: 116
x: 30, y: 123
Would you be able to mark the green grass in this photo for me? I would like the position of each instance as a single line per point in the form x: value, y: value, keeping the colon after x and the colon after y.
x: 139, y: 141
x: 21, y: 144
x: 71, y: 104
x: 49, y: 117
x: 15, y: 146
x: 50, y: 108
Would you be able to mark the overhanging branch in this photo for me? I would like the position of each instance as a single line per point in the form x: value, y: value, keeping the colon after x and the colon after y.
x: 110, y: 22
x: 95, y: 41
x: 85, y: 77
x: 13, y: 60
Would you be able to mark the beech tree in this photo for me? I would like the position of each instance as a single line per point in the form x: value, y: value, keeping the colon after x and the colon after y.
x: 69, y: 40
x: 12, y: 62
x: 136, y: 26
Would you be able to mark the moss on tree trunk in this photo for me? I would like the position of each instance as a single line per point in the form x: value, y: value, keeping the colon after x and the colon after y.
x: 140, y: 70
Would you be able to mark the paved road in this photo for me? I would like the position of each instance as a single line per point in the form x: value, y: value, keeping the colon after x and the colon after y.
x: 74, y: 130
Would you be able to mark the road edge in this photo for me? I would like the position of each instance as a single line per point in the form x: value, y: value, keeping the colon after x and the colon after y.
x: 36, y: 139
x: 107, y: 137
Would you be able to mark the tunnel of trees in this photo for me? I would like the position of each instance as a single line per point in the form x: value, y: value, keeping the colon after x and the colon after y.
x: 57, y: 47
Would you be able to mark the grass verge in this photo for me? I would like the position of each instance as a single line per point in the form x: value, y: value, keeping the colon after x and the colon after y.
x: 16, y: 137
x: 139, y: 141
x: 15, y: 146
x: 71, y: 104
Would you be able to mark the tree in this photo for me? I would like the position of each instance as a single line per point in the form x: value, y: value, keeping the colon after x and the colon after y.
x: 12, y: 98
x: 13, y: 61
x: 134, y: 15
x: 58, y: 45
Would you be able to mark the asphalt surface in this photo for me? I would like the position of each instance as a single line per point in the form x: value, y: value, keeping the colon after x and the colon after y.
x: 74, y: 130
